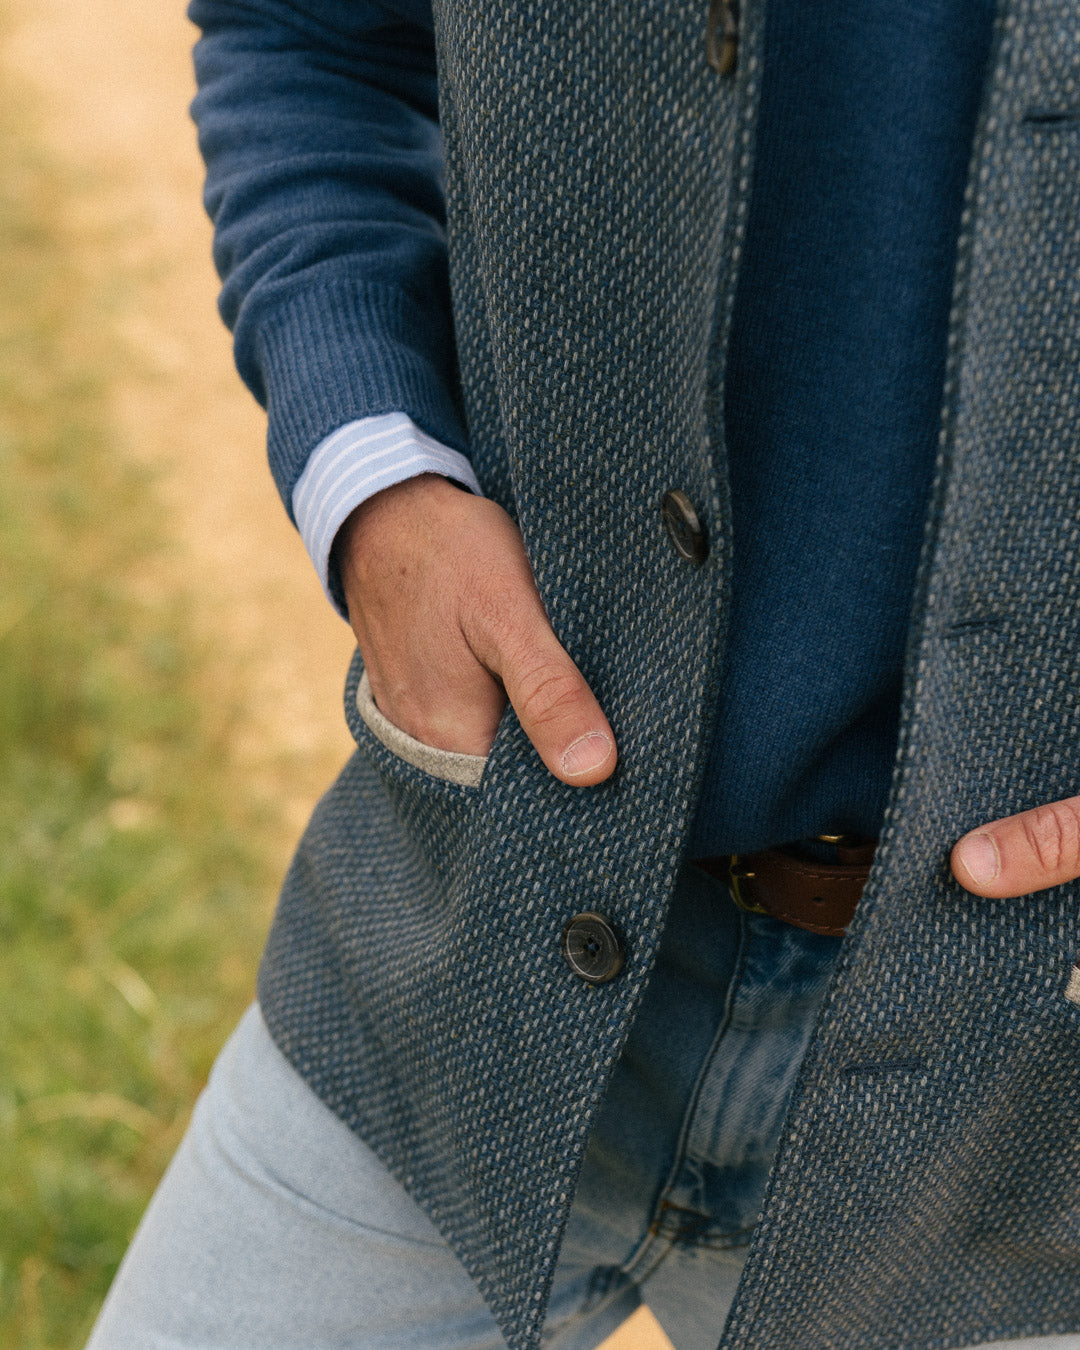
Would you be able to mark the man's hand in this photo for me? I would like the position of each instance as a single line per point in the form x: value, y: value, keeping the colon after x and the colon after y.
x: 1021, y: 854
x: 450, y: 624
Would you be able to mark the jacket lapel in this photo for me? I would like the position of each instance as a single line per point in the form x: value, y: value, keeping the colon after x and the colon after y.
x: 925, y: 1192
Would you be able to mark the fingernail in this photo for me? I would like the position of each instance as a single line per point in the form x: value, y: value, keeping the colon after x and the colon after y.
x: 588, y: 752
x: 980, y: 858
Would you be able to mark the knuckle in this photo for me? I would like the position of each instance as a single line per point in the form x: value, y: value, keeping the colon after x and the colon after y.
x: 491, y: 620
x: 548, y: 692
x: 1052, y: 834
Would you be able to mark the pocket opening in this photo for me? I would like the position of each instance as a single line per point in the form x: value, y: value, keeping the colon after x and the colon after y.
x: 448, y: 765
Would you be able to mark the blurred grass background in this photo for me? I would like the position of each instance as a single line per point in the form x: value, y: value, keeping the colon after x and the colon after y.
x: 134, y: 875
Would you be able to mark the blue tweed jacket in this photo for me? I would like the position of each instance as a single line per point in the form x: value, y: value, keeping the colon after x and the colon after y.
x: 926, y: 1191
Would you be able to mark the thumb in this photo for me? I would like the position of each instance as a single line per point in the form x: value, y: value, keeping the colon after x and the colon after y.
x: 554, y: 704
x: 1023, y: 853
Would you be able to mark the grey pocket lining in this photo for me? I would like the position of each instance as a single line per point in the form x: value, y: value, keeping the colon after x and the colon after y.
x: 465, y: 770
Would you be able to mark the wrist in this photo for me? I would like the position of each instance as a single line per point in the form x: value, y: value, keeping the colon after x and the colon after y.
x: 391, y: 518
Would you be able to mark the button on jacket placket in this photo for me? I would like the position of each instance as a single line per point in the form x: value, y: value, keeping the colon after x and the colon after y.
x: 684, y: 528
x: 593, y: 948
x: 722, y: 36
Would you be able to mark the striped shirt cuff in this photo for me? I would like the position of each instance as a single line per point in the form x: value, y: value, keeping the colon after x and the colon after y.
x: 351, y: 465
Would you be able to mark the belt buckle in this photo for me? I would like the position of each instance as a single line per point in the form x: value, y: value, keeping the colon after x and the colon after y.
x: 737, y: 875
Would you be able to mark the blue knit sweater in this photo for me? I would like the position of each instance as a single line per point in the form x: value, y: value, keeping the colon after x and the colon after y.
x: 325, y: 189
x: 834, y: 388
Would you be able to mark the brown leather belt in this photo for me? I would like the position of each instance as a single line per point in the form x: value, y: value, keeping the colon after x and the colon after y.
x: 820, y: 897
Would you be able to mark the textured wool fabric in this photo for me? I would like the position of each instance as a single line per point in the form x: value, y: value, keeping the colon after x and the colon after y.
x: 414, y: 972
x: 925, y: 1194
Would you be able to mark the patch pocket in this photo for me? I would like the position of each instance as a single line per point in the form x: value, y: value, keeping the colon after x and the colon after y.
x: 448, y: 765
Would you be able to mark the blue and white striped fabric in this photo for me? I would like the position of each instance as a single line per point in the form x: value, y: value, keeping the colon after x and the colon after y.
x: 351, y: 465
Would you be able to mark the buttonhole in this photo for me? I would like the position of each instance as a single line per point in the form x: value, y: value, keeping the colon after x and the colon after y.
x: 884, y: 1066
x: 817, y: 900
x: 1052, y: 117
x: 973, y: 625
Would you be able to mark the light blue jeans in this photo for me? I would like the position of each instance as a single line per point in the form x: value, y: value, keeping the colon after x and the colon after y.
x: 276, y: 1228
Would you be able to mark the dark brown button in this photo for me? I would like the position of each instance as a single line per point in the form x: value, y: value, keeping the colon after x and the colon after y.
x: 722, y: 36
x: 592, y: 948
x: 683, y: 526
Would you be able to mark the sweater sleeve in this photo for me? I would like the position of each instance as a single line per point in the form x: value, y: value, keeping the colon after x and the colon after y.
x: 318, y: 123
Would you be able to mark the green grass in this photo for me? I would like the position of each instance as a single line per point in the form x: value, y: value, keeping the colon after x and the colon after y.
x: 131, y: 895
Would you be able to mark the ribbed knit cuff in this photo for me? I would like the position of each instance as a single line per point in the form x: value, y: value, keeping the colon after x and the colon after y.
x: 334, y: 353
